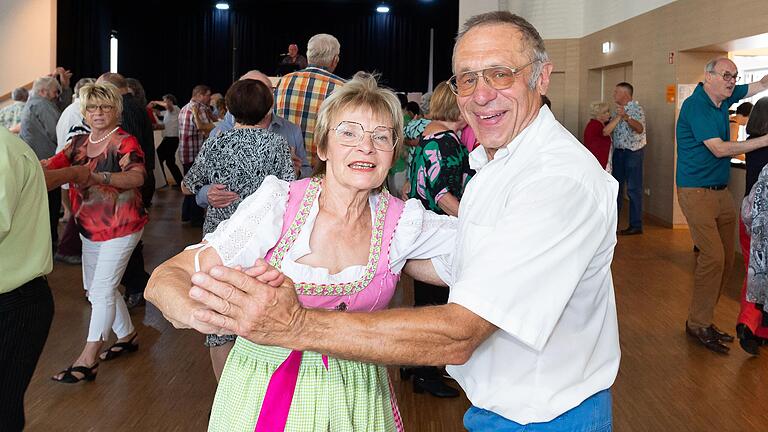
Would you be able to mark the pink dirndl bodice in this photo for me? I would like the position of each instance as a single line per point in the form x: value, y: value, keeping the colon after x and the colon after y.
x: 371, y: 292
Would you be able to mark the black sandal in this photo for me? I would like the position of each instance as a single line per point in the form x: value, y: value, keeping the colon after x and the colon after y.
x: 67, y: 377
x: 122, y: 347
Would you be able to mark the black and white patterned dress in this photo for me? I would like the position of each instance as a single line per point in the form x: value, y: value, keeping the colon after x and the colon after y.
x: 239, y: 159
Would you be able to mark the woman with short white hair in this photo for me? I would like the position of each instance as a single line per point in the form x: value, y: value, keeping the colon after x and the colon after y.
x: 597, y: 134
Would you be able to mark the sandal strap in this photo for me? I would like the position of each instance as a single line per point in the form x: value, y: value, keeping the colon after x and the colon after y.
x: 69, y: 378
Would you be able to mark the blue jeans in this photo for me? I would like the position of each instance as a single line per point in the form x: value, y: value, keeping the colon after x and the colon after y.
x: 592, y: 415
x: 628, y: 168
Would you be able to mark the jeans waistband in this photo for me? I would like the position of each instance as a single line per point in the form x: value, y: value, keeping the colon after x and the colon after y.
x: 715, y: 187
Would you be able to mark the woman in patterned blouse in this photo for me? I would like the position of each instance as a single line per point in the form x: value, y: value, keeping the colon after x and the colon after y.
x: 235, y: 163
x: 111, y: 217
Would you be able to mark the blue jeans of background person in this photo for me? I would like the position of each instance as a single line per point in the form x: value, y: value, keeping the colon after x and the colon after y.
x: 628, y: 168
x: 592, y: 415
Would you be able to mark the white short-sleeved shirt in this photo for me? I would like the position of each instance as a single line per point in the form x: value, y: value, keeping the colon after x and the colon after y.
x: 171, y: 122
x: 70, y: 117
x: 537, y: 228
x: 256, y: 225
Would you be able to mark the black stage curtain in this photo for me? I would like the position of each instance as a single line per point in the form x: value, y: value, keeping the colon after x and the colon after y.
x: 82, y: 35
x: 172, y: 46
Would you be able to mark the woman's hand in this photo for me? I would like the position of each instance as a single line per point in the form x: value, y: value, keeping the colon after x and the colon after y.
x: 256, y: 303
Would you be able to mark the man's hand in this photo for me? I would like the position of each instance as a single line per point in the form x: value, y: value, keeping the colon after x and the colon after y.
x: 296, y: 162
x: 81, y: 175
x: 620, y: 112
x: 259, y: 303
x: 219, y: 196
x: 64, y: 76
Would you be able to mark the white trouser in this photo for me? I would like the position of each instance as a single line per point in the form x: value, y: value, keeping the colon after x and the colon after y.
x: 104, y: 263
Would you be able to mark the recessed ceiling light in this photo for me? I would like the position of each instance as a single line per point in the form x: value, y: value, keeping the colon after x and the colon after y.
x: 222, y: 6
x: 382, y: 9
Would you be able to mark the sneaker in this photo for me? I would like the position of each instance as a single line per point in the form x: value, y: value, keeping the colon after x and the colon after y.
x: 68, y: 259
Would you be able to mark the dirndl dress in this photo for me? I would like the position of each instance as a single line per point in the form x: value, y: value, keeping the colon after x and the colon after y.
x: 266, y: 388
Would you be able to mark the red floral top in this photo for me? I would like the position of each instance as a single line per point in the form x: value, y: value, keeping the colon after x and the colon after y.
x: 104, y: 212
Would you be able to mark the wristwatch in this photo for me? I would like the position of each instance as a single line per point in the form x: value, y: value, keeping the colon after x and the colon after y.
x: 107, y: 177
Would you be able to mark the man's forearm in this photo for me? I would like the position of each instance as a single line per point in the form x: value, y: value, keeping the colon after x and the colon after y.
x: 57, y: 177
x: 635, y: 125
x: 434, y: 335
x: 733, y: 148
x: 755, y: 88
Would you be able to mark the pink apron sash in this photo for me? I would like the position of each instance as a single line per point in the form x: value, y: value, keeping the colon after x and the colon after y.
x: 279, y: 394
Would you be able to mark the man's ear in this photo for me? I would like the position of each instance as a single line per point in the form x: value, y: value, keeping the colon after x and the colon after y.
x: 542, y: 85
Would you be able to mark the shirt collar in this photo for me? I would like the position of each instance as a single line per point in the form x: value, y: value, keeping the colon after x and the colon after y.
x: 699, y: 91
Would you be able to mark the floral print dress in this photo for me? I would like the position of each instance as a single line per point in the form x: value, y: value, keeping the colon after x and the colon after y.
x: 440, y: 165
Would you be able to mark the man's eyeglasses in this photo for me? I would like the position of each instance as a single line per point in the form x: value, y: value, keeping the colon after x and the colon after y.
x: 351, y: 134
x: 498, y: 77
x: 727, y: 76
x: 104, y: 108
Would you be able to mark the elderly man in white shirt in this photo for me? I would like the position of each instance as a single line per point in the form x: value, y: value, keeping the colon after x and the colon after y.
x: 531, y: 321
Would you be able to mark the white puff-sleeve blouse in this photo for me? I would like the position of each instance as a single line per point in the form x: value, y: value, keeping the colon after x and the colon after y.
x: 255, y: 228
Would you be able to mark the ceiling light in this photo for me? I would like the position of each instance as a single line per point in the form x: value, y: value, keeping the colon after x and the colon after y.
x: 382, y: 9
x: 607, y: 47
x: 222, y: 6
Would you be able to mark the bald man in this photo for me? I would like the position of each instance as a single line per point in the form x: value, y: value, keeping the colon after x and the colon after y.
x: 704, y: 150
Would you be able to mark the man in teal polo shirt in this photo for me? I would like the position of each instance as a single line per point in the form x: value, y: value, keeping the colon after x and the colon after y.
x: 704, y: 150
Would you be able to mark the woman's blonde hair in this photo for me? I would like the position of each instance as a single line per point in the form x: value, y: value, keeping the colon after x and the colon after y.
x: 597, y: 108
x: 443, y: 105
x: 362, y: 91
x: 101, y: 92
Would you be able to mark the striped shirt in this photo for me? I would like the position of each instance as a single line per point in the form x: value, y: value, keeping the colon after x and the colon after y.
x: 190, y: 137
x: 298, y: 97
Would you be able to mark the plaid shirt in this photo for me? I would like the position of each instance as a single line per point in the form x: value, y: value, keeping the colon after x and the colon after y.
x: 298, y: 97
x: 11, y: 115
x: 190, y: 137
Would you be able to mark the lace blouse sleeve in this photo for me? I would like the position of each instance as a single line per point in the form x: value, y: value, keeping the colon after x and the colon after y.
x: 255, y: 226
x: 422, y: 234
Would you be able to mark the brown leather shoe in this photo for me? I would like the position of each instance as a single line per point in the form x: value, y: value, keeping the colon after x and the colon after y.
x: 723, y: 336
x: 707, y: 337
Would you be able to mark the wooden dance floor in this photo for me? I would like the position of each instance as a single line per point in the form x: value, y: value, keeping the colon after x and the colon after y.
x: 666, y: 381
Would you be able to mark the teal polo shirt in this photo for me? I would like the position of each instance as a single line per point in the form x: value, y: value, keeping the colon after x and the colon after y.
x: 699, y: 121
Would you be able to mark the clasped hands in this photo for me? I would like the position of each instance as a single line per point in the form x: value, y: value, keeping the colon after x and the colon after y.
x: 258, y: 303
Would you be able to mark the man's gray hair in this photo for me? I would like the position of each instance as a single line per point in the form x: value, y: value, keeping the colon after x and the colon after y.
x: 45, y: 83
x: 710, y: 66
x: 80, y: 83
x: 533, y: 41
x: 20, y: 94
x: 321, y: 49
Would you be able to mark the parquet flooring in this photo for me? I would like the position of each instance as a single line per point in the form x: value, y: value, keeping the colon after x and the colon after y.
x: 666, y: 382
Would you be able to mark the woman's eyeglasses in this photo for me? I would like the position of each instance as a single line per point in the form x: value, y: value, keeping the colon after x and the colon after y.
x: 92, y: 108
x: 351, y: 134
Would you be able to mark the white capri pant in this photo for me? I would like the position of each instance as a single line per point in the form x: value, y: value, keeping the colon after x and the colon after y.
x: 104, y: 263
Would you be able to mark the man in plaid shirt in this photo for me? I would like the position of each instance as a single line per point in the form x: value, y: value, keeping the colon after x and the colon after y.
x: 299, y: 94
x: 195, y: 123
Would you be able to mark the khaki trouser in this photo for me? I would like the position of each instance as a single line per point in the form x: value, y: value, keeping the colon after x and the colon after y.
x: 712, y: 220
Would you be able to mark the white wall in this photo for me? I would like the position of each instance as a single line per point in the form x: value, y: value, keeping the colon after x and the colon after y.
x: 554, y: 19
x: 564, y: 19
x: 27, y: 41
x: 468, y: 8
